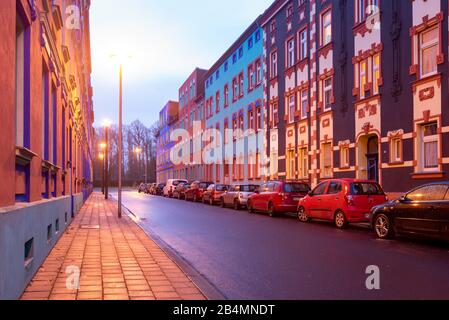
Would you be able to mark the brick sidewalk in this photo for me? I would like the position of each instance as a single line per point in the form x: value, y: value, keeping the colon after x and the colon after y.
x: 118, y: 261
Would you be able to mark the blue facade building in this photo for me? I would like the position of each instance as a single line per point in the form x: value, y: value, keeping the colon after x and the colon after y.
x: 234, y: 100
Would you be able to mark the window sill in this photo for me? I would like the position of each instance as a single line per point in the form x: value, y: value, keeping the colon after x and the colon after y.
x: 428, y: 175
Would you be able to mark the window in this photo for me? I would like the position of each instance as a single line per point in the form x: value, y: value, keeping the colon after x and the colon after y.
x: 291, y: 108
x: 241, y: 123
x: 258, y: 118
x: 257, y: 35
x: 290, y: 11
x: 226, y: 95
x: 363, y: 77
x: 234, y: 58
x: 326, y: 28
x: 251, y: 78
x: 226, y: 66
x: 303, y: 163
x: 217, y: 102
x: 20, y: 82
x: 251, y: 119
x: 429, y: 47
x: 326, y: 160
x: 303, y: 45
x: 241, y: 84
x: 361, y: 10
x: 240, y: 52
x: 226, y: 128
x: 335, y: 187
x: 273, y: 26
x: 327, y: 90
x: 274, y: 64
x: 304, y: 103
x: 429, y: 146
x: 428, y: 193
x: 320, y: 189
x: 250, y: 43
x: 258, y: 72
x: 290, y: 53
x: 376, y: 73
x: 217, y: 74
x: 396, y: 150
x: 291, y: 162
x: 235, y: 89
x: 274, y: 114
x: 344, y: 153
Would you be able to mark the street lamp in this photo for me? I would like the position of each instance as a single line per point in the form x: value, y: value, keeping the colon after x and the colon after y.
x: 138, y: 152
x: 120, y: 134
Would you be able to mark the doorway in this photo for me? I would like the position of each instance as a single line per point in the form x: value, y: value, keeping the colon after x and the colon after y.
x: 372, y: 158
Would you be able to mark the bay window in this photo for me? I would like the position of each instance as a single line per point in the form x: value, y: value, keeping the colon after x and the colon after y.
x: 428, y: 51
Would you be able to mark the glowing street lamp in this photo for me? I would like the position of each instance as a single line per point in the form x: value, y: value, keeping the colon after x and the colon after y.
x: 120, y: 131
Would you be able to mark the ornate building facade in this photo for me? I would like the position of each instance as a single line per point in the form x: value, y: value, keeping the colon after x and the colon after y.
x: 46, y: 136
x: 357, y: 88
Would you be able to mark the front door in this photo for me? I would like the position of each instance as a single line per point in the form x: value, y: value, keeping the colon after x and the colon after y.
x: 373, y: 159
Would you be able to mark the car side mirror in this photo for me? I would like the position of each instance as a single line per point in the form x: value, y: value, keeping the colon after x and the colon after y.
x: 403, y: 199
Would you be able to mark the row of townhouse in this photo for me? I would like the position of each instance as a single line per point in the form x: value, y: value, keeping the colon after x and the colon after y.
x: 349, y: 88
x: 46, y: 131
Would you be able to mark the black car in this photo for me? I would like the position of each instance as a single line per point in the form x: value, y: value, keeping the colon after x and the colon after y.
x: 159, y: 190
x: 423, y: 211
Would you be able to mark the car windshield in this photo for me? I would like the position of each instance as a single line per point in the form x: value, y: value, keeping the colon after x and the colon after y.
x: 296, y: 188
x: 249, y: 188
x: 204, y: 185
x: 221, y: 188
x: 366, y: 188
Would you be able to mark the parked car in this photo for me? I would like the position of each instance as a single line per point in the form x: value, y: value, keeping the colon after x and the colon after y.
x: 149, y: 188
x: 213, y: 193
x: 142, y: 187
x: 423, y: 211
x: 171, y: 185
x: 180, y: 191
x: 237, y: 196
x: 196, y: 191
x: 277, y: 197
x: 342, y: 201
x: 159, y: 190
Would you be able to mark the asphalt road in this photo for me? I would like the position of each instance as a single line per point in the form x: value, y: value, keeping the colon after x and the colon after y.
x: 257, y: 257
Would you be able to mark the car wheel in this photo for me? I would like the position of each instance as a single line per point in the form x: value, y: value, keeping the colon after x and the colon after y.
x: 383, y: 227
x: 222, y: 203
x: 250, y: 207
x: 340, y: 220
x: 271, y: 210
x: 236, y: 205
x: 302, y: 215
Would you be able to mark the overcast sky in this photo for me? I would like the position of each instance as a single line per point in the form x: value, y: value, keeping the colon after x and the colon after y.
x: 167, y: 40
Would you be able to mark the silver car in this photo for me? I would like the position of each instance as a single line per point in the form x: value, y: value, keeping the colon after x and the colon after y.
x: 237, y: 196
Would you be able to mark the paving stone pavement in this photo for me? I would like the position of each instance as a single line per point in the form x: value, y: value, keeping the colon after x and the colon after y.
x: 116, y: 261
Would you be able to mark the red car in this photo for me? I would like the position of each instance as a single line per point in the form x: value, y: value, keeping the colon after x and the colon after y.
x: 342, y: 201
x: 278, y: 197
x: 213, y: 193
x: 196, y: 190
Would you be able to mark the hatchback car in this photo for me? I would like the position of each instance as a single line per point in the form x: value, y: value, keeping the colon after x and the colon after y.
x: 278, y: 197
x: 171, y: 185
x: 142, y: 187
x: 159, y: 190
x: 196, y: 191
x: 213, y: 193
x: 238, y: 195
x: 180, y: 191
x: 423, y: 211
x: 342, y: 201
